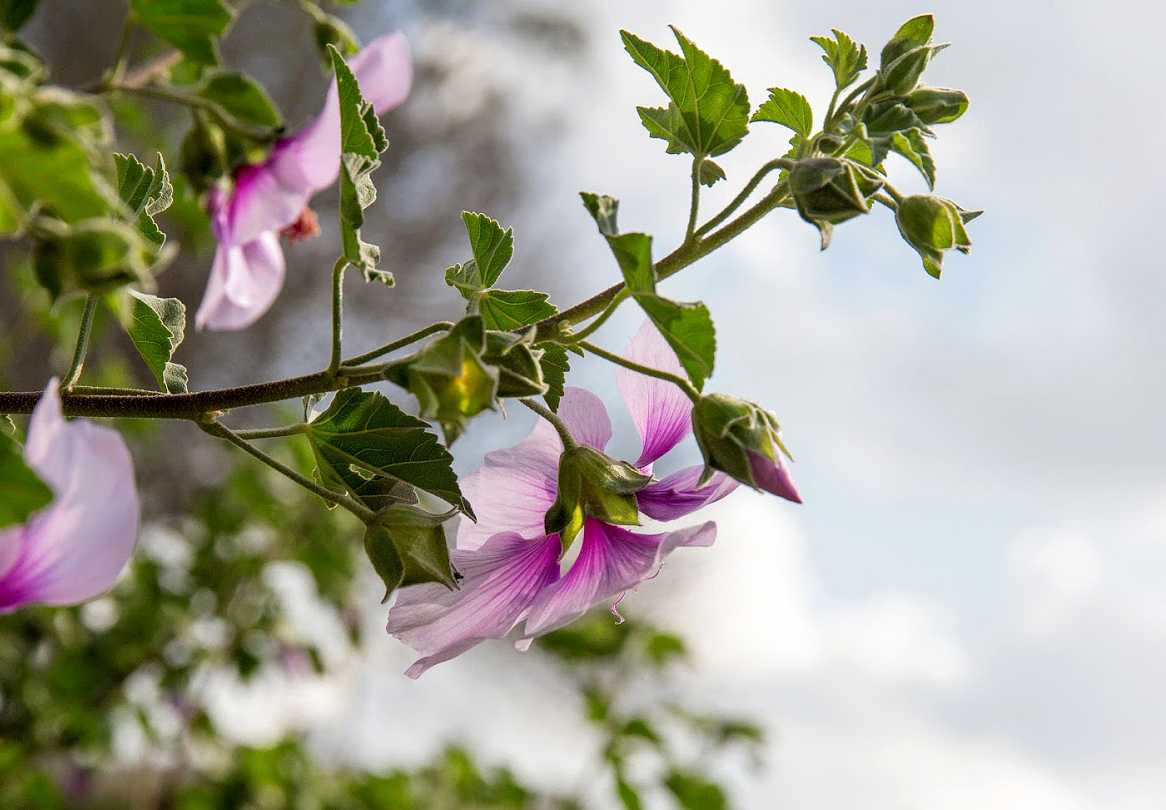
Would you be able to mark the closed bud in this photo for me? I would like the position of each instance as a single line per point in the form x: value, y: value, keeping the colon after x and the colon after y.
x: 829, y: 190
x: 407, y: 546
x: 593, y: 484
x: 742, y: 440
x: 932, y: 225
x: 517, y: 363
x: 937, y: 105
x: 906, y: 55
x: 329, y: 30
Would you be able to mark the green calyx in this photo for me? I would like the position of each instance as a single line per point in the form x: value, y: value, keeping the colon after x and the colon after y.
x: 932, y: 225
x: 593, y: 484
x: 728, y: 430
x: 830, y: 190
x: 407, y: 546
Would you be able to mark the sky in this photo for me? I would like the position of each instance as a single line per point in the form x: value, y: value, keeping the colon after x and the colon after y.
x: 969, y: 610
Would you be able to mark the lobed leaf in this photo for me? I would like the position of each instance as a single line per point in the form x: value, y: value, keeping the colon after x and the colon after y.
x: 789, y: 109
x: 513, y: 309
x: 156, y: 326
x: 846, y: 58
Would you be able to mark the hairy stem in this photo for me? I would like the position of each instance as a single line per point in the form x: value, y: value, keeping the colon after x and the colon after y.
x: 83, y: 331
x: 680, y: 382
x: 164, y: 93
x: 738, y: 201
x: 222, y: 432
x: 271, y: 433
x: 694, y: 204
x: 558, y: 424
x: 337, y: 313
x: 440, y: 326
x: 591, y: 328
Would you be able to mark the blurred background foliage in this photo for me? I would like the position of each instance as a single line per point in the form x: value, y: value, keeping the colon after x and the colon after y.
x: 109, y: 705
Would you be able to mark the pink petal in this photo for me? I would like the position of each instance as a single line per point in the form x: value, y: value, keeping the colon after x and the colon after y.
x: 661, y: 411
x: 610, y: 561
x: 74, y: 548
x: 678, y: 495
x: 511, y: 493
x: 500, y: 581
x: 773, y: 476
x: 244, y: 282
x: 585, y: 417
x: 270, y: 196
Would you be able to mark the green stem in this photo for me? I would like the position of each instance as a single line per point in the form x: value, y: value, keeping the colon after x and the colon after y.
x: 272, y: 433
x: 222, y: 432
x: 337, y: 313
x: 682, y: 383
x: 846, y: 102
x: 671, y: 264
x: 83, y: 331
x: 727, y: 211
x: 694, y: 205
x: 590, y: 329
x: 558, y: 424
x: 440, y: 326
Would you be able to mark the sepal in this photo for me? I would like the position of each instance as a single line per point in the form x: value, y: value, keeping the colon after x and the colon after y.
x: 828, y: 190
x: 593, y: 484
x: 407, y: 546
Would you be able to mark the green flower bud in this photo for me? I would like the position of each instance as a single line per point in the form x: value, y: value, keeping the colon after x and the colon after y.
x: 828, y: 190
x: 449, y: 377
x: 407, y: 546
x: 937, y: 105
x: 593, y: 484
x: 907, y: 55
x: 932, y: 225
x: 742, y: 440
x: 95, y: 255
x: 517, y: 364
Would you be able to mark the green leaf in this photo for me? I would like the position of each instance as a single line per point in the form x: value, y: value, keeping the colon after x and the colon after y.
x: 24, y: 492
x: 242, y: 98
x: 513, y: 309
x: 694, y: 792
x: 44, y: 167
x: 710, y: 172
x: 789, y: 109
x: 15, y: 13
x: 846, y: 58
x: 362, y: 139
x: 363, y: 430
x: 147, y: 192
x: 708, y: 113
x: 555, y: 365
x: 157, y: 326
x: 603, y: 210
x: 491, y: 248
x: 191, y: 26
x: 913, y: 146
x: 912, y: 34
x: 688, y: 327
x: 628, y: 796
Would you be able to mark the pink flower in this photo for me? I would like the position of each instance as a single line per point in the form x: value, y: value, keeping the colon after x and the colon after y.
x: 511, y: 568
x: 248, y: 269
x: 74, y: 548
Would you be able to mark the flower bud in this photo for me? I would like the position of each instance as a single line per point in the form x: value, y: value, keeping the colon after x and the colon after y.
x: 937, y: 105
x: 828, y: 190
x: 517, y: 362
x: 593, y: 484
x: 742, y: 440
x: 406, y: 546
x: 932, y: 225
x: 329, y: 30
x: 93, y: 256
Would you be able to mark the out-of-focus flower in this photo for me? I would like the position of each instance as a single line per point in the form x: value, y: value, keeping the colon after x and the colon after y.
x: 74, y: 548
x: 511, y: 565
x: 271, y: 197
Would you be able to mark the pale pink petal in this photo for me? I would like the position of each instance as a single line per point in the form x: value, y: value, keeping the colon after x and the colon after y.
x: 511, y: 493
x: 500, y: 580
x: 270, y: 196
x: 244, y: 282
x: 74, y: 548
x: 585, y: 417
x: 661, y: 411
x: 773, y: 476
x: 611, y: 560
x: 678, y: 494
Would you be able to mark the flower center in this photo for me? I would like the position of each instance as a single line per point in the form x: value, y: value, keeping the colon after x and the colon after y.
x: 305, y: 227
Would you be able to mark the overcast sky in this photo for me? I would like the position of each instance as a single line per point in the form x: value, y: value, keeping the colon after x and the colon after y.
x: 969, y: 611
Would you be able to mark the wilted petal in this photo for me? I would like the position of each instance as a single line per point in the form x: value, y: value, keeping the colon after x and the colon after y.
x: 245, y: 280
x: 501, y: 579
x: 773, y: 476
x: 661, y: 411
x: 270, y: 195
x: 74, y: 548
x: 611, y: 560
x: 678, y: 494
